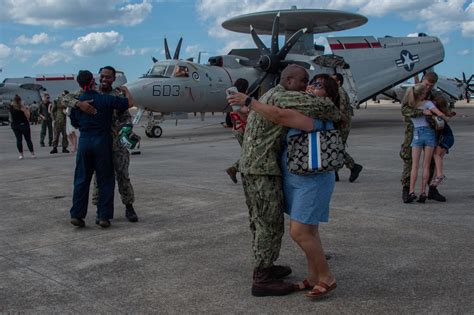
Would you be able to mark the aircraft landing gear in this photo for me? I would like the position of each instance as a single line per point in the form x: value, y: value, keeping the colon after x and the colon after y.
x: 152, y: 129
x: 155, y: 132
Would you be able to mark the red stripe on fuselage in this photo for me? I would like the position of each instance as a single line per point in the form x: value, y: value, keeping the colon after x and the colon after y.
x: 355, y: 46
x: 55, y: 79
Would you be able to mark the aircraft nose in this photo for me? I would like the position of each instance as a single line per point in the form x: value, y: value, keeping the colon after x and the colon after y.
x: 137, y: 89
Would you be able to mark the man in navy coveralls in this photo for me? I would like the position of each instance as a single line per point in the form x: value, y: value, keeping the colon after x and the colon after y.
x: 94, y: 151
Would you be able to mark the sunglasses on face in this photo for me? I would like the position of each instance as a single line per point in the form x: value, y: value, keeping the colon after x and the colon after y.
x: 318, y: 85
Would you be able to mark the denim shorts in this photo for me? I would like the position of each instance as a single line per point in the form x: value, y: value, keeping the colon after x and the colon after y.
x: 424, y: 137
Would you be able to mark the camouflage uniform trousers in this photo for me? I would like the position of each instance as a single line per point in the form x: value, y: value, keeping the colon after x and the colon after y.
x: 121, y: 160
x: 405, y: 155
x: 264, y: 198
x: 240, y: 138
x: 348, y: 160
x: 60, y: 129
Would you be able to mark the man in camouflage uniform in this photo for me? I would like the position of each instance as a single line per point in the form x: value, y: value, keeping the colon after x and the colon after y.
x: 59, y: 116
x: 120, y: 155
x: 345, y: 128
x: 429, y: 80
x: 46, y: 122
x: 261, y: 179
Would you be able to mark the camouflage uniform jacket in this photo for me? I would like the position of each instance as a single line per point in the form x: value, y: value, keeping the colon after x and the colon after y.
x: 57, y: 111
x: 345, y: 102
x: 119, y: 117
x: 263, y: 140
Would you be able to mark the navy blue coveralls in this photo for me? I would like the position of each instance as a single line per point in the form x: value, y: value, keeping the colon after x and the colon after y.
x: 94, y: 153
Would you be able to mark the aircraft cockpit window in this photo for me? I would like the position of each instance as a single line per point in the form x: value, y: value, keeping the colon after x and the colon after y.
x: 181, y: 72
x: 157, y: 71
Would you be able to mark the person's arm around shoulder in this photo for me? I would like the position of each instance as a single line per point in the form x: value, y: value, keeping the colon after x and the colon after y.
x: 280, y: 116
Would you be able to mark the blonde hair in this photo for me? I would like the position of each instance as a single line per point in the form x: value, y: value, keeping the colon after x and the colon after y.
x: 414, y: 95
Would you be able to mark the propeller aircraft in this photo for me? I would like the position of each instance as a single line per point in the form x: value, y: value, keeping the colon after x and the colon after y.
x: 369, y: 65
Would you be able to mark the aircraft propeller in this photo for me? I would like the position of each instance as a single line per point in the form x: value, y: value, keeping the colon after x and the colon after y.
x: 272, y: 61
x: 176, y: 52
x: 469, y: 85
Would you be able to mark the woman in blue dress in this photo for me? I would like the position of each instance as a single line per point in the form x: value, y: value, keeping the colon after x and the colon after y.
x: 307, y: 197
x: 307, y: 201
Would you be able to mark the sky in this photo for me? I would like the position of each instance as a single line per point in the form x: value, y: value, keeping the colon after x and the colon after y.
x: 64, y: 36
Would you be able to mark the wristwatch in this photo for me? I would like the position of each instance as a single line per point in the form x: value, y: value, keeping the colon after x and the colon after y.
x: 248, y: 102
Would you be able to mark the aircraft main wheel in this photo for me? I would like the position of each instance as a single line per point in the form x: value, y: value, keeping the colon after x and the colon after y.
x: 149, y: 135
x: 156, y: 132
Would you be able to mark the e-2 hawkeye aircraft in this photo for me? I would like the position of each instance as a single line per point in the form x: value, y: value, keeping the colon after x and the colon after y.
x: 369, y: 65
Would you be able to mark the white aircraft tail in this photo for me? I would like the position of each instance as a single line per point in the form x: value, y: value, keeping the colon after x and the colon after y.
x: 378, y: 64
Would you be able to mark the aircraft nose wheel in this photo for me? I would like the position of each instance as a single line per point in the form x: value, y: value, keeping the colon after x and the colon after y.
x: 155, y: 132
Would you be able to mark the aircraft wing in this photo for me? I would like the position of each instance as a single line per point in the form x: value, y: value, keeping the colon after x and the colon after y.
x: 378, y: 64
x: 454, y: 89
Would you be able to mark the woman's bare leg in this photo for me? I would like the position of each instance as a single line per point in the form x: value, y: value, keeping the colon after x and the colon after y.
x: 428, y: 154
x: 415, y: 161
x: 307, y: 237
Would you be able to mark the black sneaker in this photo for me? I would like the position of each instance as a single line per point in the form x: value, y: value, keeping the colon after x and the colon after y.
x: 355, y: 171
x: 65, y: 151
x: 337, y: 176
x: 78, y: 222
x: 130, y: 213
x: 411, y: 197
x: 42, y: 144
x: 434, y: 194
x: 54, y: 150
x: 422, y: 198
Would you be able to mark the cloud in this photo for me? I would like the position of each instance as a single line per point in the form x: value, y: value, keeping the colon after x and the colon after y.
x: 60, y: 13
x: 41, y: 38
x: 94, y: 43
x: 53, y: 57
x: 5, y: 51
x: 463, y: 52
x: 127, y: 51
x: 8, y: 54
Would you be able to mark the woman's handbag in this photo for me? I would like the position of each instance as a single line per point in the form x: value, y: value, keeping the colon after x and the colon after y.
x: 315, y: 152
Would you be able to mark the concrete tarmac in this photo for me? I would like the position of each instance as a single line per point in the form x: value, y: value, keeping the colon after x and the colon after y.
x: 190, y: 252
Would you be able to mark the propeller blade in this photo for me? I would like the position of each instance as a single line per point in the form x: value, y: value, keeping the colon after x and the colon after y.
x: 290, y: 43
x: 167, y: 50
x: 458, y: 80
x: 255, y: 85
x: 154, y: 59
x: 178, y: 48
x: 275, y: 33
x: 263, y: 49
x: 470, y: 78
x: 463, y: 77
x: 471, y: 90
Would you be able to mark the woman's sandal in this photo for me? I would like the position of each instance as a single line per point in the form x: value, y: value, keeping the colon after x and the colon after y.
x: 316, y: 293
x: 303, y: 285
